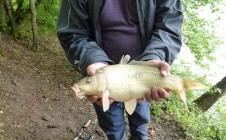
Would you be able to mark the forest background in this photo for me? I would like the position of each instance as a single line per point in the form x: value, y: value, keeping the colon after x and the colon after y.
x: 202, y: 57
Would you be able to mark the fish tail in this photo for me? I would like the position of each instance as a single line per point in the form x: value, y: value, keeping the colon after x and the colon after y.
x: 191, y: 84
x: 188, y: 85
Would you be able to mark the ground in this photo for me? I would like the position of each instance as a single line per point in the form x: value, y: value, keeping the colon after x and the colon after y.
x: 36, y: 101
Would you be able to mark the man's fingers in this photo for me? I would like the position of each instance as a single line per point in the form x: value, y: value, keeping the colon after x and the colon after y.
x: 97, y: 99
x: 92, y: 69
x: 164, y: 68
x: 140, y: 101
x: 161, y: 65
x: 111, y: 101
x: 163, y: 94
x: 100, y: 102
x: 156, y: 94
x: 93, y: 98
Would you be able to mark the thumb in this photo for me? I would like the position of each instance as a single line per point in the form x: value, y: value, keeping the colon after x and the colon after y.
x: 91, y: 71
x: 164, y: 72
x: 164, y: 68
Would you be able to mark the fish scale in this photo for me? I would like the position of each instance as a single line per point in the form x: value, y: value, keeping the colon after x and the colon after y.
x: 129, y: 82
x: 145, y: 77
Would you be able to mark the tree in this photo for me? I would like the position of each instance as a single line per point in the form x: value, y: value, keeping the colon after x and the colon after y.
x: 199, y: 34
x: 34, y: 25
x: 14, y: 29
x: 3, y: 15
x: 209, y: 98
x: 1, y: 45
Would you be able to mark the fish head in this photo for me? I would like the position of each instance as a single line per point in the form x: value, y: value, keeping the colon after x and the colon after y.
x: 90, y: 85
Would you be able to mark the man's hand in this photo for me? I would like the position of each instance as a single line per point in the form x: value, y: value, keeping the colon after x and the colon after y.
x: 157, y: 93
x: 91, y: 70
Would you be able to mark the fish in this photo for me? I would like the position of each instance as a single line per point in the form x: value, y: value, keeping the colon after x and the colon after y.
x: 127, y: 82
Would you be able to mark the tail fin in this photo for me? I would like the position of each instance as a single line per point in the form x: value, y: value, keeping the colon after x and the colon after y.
x: 188, y: 85
x: 191, y: 84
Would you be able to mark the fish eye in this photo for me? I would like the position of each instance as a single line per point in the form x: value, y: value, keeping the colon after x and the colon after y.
x: 88, y: 80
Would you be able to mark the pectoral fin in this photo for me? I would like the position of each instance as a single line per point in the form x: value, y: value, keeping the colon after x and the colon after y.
x: 105, y: 100
x: 130, y: 105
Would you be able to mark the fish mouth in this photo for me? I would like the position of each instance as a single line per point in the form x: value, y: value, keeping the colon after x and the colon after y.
x: 77, y: 92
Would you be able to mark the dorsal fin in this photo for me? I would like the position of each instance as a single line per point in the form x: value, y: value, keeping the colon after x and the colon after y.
x: 125, y: 59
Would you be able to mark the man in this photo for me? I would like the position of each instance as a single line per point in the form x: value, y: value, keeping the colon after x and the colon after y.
x: 96, y: 33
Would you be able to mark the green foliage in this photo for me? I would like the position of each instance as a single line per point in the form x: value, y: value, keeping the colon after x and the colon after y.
x: 20, y: 14
x: 4, y: 27
x: 215, y: 90
x: 199, y: 34
x: 47, y: 14
x: 198, y: 126
x: 2, y: 52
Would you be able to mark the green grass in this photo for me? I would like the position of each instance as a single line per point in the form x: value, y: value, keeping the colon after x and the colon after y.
x: 2, y: 52
x: 198, y: 125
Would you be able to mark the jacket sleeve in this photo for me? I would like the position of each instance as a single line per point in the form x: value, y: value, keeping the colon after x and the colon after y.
x: 76, y: 36
x: 165, y: 42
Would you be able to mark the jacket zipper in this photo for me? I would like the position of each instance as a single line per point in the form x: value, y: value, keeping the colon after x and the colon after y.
x: 141, y: 23
x: 97, y: 24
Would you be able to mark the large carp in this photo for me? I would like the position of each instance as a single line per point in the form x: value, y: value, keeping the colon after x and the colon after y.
x: 129, y: 82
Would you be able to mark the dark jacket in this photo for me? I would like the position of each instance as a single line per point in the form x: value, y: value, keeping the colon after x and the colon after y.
x: 80, y: 35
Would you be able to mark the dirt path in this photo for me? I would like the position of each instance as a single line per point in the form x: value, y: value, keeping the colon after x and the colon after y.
x: 36, y: 101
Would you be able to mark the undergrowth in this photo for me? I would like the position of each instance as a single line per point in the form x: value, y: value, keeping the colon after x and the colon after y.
x: 197, y: 125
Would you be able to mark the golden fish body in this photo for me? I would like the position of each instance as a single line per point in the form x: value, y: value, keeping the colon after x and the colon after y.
x: 127, y: 83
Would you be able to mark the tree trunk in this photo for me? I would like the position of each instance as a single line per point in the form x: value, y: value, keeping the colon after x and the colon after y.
x: 1, y: 44
x: 34, y: 26
x: 209, y: 98
x: 3, y: 15
x: 14, y: 29
x: 2, y: 53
